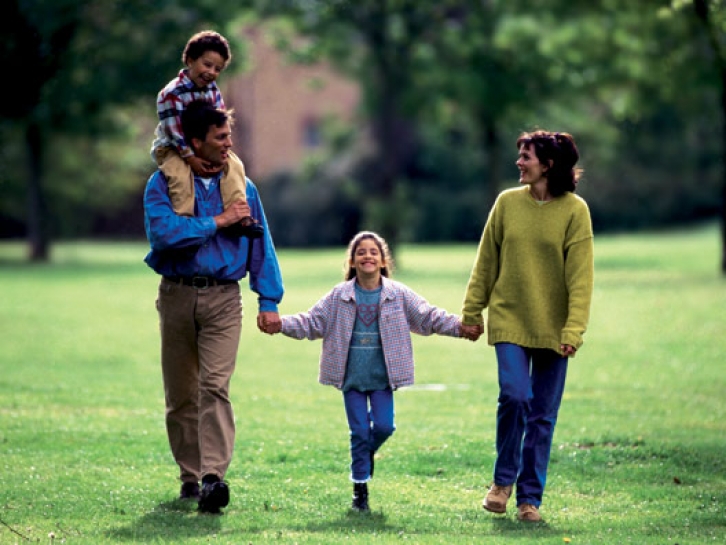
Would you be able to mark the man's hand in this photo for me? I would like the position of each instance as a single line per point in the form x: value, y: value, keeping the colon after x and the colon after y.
x: 203, y: 168
x: 269, y: 322
x: 234, y: 212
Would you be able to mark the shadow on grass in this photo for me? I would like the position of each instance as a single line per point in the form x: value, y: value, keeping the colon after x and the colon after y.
x: 176, y: 518
x: 504, y: 525
x: 378, y: 523
x: 352, y: 521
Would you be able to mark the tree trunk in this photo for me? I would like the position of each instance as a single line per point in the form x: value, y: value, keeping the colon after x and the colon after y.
x: 491, y: 145
x: 723, y: 166
x: 386, y: 94
x: 703, y: 13
x: 37, y: 210
x: 389, y: 160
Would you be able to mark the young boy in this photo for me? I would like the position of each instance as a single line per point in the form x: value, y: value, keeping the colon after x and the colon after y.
x: 205, y: 56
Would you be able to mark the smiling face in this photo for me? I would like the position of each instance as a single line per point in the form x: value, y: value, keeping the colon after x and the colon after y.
x: 531, y: 171
x: 215, y: 147
x: 205, y: 69
x: 367, y: 260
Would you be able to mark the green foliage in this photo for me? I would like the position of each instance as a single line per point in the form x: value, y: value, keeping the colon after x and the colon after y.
x: 471, y: 75
x: 81, y: 70
x: 446, y: 85
x: 638, y: 454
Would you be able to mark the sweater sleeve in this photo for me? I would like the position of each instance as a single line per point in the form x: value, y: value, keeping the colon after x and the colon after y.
x: 484, y: 272
x: 579, y: 276
x: 310, y: 325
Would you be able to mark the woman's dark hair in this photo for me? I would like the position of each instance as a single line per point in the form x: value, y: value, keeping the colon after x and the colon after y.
x: 207, y: 40
x: 349, y: 272
x: 199, y: 116
x: 558, y: 152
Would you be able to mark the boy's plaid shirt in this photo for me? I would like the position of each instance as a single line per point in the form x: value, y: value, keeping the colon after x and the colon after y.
x: 402, y: 312
x: 171, y: 102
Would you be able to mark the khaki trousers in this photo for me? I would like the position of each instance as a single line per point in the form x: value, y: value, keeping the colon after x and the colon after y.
x: 200, y: 333
x: 180, y: 180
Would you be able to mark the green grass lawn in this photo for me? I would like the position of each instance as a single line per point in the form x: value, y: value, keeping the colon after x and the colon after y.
x: 638, y: 454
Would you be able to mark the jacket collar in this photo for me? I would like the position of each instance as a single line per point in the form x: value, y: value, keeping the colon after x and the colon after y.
x: 387, y: 289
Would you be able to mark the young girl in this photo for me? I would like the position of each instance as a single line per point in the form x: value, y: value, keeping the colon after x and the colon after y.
x: 365, y: 323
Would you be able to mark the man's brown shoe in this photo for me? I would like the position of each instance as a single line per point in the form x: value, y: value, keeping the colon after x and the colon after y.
x: 496, y: 499
x: 528, y: 513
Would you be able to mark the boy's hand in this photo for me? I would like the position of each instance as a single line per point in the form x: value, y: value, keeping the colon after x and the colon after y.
x: 201, y: 167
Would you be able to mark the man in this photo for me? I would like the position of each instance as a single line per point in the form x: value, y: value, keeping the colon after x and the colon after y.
x: 201, y: 259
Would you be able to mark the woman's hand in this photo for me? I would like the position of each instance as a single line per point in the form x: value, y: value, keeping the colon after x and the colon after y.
x: 471, y: 332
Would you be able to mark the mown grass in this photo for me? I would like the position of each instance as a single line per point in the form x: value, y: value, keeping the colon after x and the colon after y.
x: 638, y: 455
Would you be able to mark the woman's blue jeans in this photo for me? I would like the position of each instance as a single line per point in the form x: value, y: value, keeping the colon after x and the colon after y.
x: 370, y: 419
x: 531, y: 383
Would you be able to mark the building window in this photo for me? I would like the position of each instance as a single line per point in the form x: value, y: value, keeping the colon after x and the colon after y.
x: 311, y: 133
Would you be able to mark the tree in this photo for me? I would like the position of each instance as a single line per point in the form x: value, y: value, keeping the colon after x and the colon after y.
x: 484, y: 70
x: 75, y: 64
x: 381, y: 44
x: 489, y: 66
x: 611, y: 71
x: 713, y: 17
x: 32, y: 52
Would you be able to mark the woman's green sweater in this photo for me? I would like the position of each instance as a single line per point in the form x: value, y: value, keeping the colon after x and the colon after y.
x: 533, y: 271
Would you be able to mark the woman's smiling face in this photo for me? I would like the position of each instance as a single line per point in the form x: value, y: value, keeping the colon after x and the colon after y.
x: 531, y: 170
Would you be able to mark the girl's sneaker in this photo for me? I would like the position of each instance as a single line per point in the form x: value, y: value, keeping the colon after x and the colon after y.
x: 360, y: 497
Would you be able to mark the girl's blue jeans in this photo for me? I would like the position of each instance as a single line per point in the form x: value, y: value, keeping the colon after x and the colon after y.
x: 531, y: 383
x: 370, y: 419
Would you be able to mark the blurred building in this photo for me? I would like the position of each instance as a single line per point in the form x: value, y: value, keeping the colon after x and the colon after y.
x: 280, y: 106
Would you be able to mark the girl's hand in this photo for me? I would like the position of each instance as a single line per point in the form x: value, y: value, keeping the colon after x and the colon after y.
x: 471, y: 332
x: 272, y: 329
x: 567, y: 350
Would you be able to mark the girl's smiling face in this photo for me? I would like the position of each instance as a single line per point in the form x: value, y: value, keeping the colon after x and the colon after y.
x: 367, y: 259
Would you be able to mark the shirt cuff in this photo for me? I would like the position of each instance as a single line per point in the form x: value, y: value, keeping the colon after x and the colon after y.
x: 267, y: 306
x: 209, y: 225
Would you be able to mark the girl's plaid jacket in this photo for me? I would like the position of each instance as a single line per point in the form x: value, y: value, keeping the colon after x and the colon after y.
x: 401, y: 312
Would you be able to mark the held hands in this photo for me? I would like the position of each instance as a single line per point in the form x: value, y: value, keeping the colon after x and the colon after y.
x: 471, y: 332
x: 269, y: 322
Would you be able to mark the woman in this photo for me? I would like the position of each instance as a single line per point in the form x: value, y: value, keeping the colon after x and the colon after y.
x: 534, y: 273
